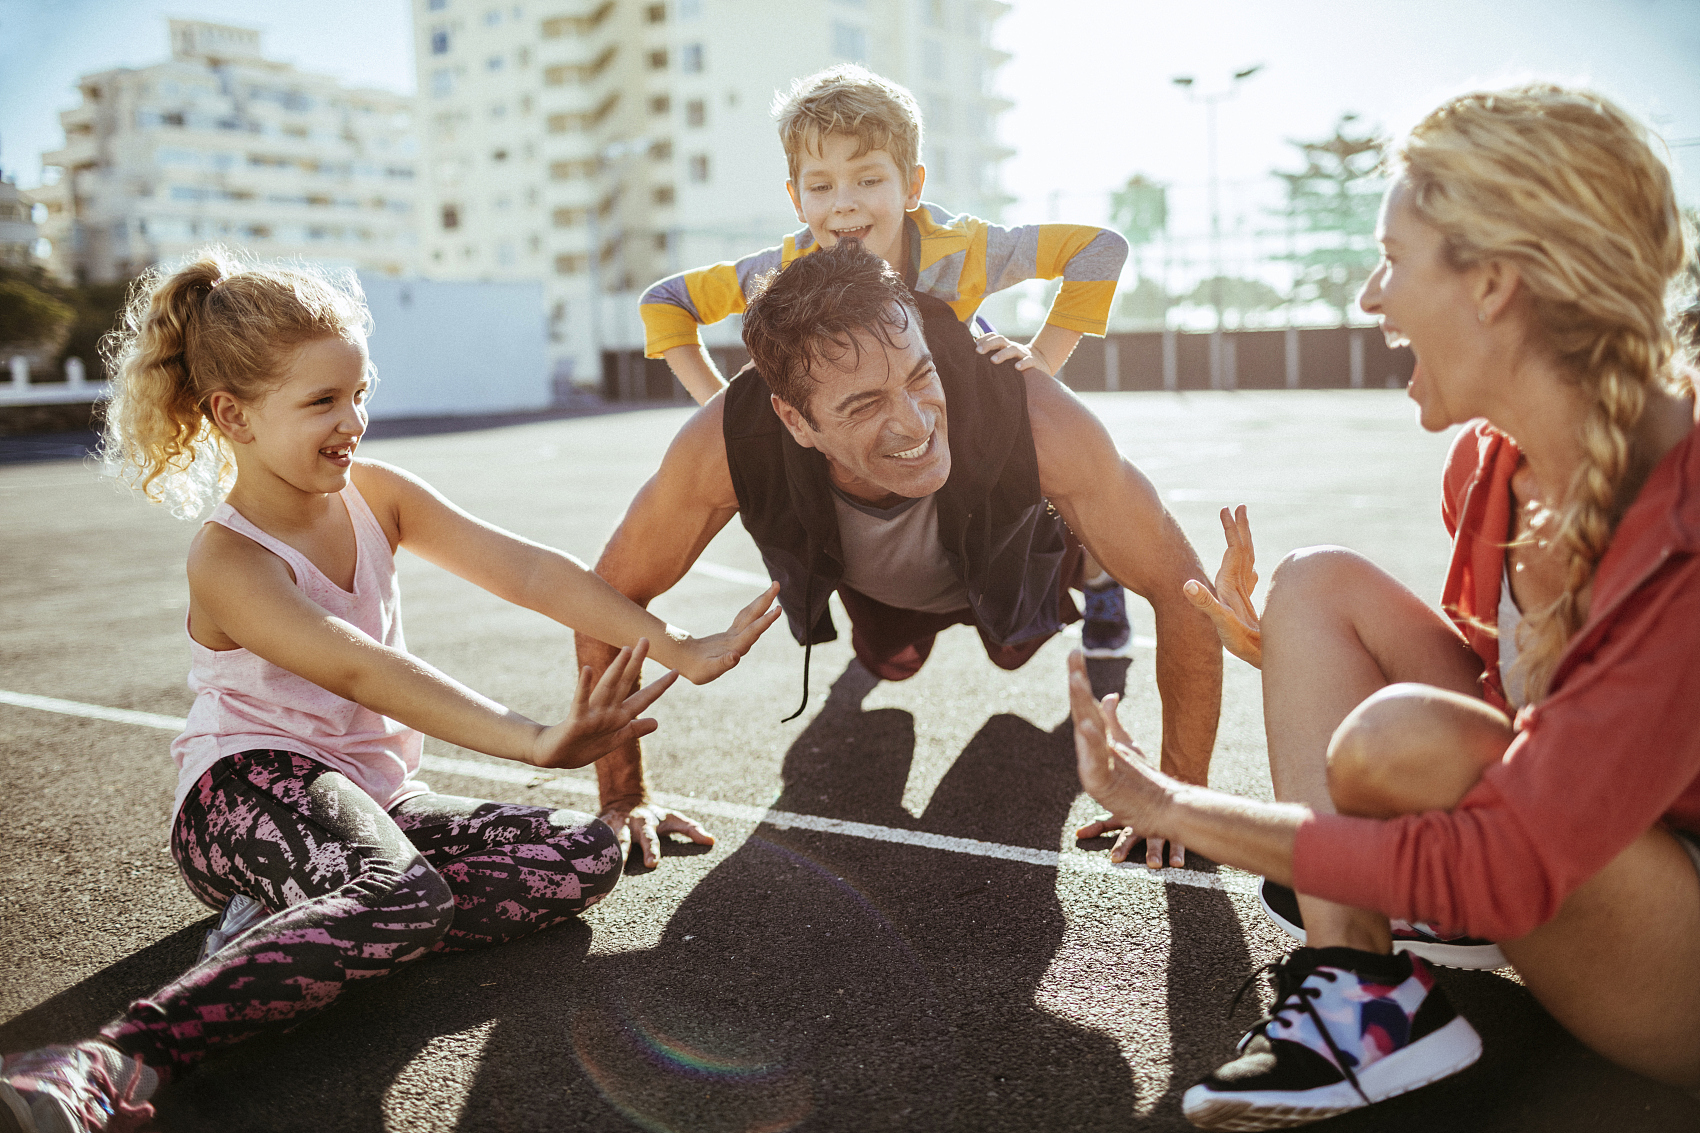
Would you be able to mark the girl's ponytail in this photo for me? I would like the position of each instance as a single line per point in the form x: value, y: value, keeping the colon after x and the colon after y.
x: 214, y: 324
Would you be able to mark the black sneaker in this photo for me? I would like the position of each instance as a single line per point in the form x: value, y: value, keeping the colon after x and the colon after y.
x: 1107, y: 632
x: 1348, y: 1029
x: 1419, y: 939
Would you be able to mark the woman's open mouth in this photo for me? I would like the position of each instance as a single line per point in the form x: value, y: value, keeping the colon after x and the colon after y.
x: 341, y: 455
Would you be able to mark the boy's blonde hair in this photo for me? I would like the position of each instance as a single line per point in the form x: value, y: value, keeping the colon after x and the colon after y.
x: 1567, y: 186
x: 849, y: 99
x: 218, y: 323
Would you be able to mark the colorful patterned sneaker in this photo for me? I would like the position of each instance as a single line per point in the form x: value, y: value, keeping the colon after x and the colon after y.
x: 1419, y: 939
x: 1106, y: 632
x: 89, y: 1087
x: 1348, y: 1029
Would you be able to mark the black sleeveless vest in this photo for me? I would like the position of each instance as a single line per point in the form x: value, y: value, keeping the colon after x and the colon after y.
x: 1000, y: 535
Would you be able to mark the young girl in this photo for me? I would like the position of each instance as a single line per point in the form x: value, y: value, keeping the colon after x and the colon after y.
x: 1527, y: 772
x: 296, y: 783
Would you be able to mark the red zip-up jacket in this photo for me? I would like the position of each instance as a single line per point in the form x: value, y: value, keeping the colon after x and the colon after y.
x: 1613, y: 748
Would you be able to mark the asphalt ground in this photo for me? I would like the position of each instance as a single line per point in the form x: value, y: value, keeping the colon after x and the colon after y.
x: 895, y: 930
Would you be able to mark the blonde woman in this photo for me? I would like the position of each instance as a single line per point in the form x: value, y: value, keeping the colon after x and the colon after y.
x: 1526, y: 771
x: 245, y: 385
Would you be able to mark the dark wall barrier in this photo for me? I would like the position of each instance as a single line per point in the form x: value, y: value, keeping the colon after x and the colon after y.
x: 1297, y: 358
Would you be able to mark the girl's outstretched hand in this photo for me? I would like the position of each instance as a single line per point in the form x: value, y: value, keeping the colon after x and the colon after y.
x: 1115, y: 773
x: 1230, y: 608
x: 709, y: 657
x: 602, y: 717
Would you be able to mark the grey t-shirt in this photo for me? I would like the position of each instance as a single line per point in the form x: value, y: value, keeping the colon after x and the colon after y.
x: 893, y: 555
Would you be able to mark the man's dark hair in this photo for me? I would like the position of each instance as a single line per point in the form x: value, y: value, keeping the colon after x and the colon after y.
x: 808, y: 312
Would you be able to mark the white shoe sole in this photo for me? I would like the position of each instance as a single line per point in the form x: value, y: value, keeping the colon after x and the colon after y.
x: 1470, y: 957
x: 1453, y: 1048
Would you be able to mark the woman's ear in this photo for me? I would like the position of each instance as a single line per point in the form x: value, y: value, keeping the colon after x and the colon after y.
x: 230, y: 417
x: 1496, y: 285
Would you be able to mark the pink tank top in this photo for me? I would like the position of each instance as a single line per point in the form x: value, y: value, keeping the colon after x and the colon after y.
x: 243, y: 702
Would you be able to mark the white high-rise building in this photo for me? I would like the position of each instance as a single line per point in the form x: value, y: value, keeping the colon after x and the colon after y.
x: 599, y: 145
x: 221, y: 144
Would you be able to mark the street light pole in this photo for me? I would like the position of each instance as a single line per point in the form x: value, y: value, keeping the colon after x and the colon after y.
x: 1219, y: 376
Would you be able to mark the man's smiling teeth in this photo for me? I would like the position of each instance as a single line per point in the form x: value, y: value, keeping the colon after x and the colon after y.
x: 911, y: 454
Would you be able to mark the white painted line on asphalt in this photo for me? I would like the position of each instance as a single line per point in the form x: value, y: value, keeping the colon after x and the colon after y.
x: 731, y: 574
x: 91, y: 711
x: 1234, y: 882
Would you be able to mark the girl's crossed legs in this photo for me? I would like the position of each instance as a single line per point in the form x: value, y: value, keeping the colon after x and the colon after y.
x: 1619, y: 965
x: 353, y: 893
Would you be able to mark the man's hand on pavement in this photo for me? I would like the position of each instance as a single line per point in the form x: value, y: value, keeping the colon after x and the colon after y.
x: 1110, y: 765
x: 648, y: 823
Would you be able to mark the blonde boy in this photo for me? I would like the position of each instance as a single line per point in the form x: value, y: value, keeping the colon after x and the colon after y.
x: 853, y: 146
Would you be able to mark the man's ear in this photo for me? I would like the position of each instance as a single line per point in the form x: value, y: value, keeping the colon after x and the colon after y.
x: 916, y: 183
x: 230, y: 417
x: 799, y: 428
x: 796, y: 202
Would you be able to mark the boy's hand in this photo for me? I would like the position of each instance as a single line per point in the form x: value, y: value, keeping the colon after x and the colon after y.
x: 1230, y: 609
x: 1007, y: 350
x: 602, y: 717
x: 711, y: 656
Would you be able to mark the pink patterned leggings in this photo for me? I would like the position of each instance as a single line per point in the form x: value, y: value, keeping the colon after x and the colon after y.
x: 353, y: 893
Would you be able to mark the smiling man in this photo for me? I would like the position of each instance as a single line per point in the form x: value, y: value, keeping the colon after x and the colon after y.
x: 873, y: 451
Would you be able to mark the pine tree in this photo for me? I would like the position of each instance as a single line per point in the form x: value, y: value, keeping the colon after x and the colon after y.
x: 1331, y: 208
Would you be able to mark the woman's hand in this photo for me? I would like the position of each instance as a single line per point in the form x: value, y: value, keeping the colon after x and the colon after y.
x: 602, y: 717
x: 708, y: 657
x: 1116, y: 773
x: 1024, y: 356
x: 1230, y: 609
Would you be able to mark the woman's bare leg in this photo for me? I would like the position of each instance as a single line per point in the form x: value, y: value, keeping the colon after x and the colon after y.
x: 1337, y: 628
x: 1619, y: 965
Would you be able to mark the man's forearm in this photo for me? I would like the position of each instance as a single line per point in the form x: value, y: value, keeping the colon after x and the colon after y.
x: 1189, y: 681
x: 619, y: 774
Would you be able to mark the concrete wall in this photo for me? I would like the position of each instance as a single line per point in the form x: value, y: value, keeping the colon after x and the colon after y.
x: 456, y: 349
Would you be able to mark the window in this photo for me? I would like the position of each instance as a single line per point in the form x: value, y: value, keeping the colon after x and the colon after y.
x: 849, y: 42
x: 661, y: 241
x: 659, y: 104
x: 688, y: 9
x: 494, y: 63
x: 451, y: 216
x: 442, y: 82
x: 661, y: 149
x: 656, y: 13
x: 570, y: 217
x: 440, y: 41
x: 570, y: 265
x: 664, y: 194
x: 492, y: 17
x: 690, y: 59
x: 499, y: 155
x: 658, y: 59
x: 438, y: 5
x: 696, y: 112
x: 699, y: 167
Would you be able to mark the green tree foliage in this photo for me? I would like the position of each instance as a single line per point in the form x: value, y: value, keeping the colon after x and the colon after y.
x: 1145, y: 302
x: 1140, y: 211
x: 29, y: 314
x: 1331, y: 207
x: 1236, y: 294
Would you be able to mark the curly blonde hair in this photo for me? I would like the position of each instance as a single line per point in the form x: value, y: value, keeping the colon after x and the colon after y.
x: 1565, y: 185
x: 219, y: 322
x: 849, y: 99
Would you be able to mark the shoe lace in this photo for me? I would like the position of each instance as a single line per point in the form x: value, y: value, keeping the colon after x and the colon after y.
x: 1292, y: 994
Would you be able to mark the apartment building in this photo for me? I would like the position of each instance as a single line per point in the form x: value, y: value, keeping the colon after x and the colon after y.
x: 18, y: 231
x: 219, y: 143
x: 599, y: 145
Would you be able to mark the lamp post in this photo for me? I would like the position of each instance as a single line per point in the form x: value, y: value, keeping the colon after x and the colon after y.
x: 1218, y: 372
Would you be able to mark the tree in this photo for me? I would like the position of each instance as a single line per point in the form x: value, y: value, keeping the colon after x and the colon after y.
x: 1236, y: 294
x: 1140, y: 211
x: 30, y: 315
x: 1331, y: 207
x: 1145, y: 302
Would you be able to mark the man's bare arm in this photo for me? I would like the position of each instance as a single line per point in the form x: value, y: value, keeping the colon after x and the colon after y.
x: 672, y: 518
x: 1118, y: 515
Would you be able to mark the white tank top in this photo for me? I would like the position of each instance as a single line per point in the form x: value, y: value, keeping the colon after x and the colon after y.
x: 1510, y: 617
x: 243, y: 702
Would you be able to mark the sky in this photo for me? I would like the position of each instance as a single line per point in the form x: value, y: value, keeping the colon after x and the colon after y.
x: 1090, y: 79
